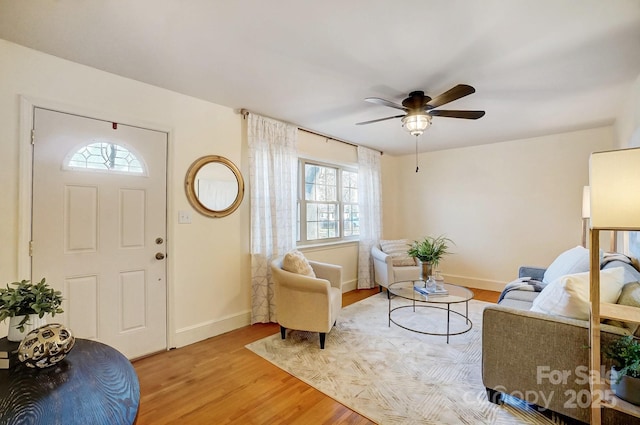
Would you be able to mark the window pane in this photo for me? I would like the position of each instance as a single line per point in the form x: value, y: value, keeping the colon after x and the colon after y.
x: 349, y: 179
x: 320, y: 183
x: 308, y: 191
x: 312, y: 231
x: 349, y: 186
x: 321, y: 193
x: 330, y: 176
x: 322, y: 221
x: 332, y: 193
x: 312, y: 212
x: 104, y: 156
x: 348, y: 195
x: 351, y: 220
x: 310, y: 173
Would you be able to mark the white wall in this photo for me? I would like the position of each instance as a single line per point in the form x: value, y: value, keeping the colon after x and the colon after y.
x: 627, y: 124
x: 391, y: 207
x: 209, y: 263
x: 503, y: 204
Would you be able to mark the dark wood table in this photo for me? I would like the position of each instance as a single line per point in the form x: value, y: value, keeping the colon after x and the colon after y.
x: 95, y: 384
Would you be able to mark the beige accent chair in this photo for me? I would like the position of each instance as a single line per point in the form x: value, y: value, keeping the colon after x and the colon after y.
x: 385, y: 272
x: 306, y: 303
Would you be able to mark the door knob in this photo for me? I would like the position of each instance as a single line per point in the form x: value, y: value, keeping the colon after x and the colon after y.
x: 159, y: 256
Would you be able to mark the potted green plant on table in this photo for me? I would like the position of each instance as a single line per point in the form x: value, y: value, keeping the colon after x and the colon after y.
x: 25, y: 304
x: 430, y: 251
x: 625, y: 374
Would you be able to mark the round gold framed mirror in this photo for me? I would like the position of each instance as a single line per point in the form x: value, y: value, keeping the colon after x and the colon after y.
x: 214, y: 186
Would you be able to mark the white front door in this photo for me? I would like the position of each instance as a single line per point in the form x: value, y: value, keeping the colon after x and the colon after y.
x: 99, y: 227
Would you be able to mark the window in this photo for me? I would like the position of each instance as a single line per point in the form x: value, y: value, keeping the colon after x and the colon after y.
x: 104, y: 156
x: 327, y: 203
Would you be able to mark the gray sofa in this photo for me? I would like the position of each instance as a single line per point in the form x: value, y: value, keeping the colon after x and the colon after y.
x: 542, y: 358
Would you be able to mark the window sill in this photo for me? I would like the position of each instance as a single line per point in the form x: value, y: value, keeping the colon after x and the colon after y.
x: 326, y: 245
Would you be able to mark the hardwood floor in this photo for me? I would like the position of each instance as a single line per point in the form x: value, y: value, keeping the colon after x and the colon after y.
x: 218, y: 381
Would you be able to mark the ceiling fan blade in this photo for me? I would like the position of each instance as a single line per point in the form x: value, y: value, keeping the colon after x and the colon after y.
x: 384, y: 102
x: 378, y: 120
x: 470, y: 115
x: 455, y: 93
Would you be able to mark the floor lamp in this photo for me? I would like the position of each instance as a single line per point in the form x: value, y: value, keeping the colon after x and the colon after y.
x: 614, y: 180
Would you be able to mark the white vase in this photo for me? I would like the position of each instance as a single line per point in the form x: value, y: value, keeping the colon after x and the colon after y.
x: 34, y: 322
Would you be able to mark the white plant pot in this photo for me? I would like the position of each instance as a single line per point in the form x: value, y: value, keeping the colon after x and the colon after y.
x: 34, y: 322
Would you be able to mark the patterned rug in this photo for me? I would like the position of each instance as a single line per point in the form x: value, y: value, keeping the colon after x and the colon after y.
x: 394, y: 376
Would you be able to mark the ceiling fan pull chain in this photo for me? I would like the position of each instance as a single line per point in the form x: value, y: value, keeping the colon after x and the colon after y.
x: 417, y: 168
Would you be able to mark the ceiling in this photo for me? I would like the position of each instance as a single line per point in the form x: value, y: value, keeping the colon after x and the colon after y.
x: 538, y: 66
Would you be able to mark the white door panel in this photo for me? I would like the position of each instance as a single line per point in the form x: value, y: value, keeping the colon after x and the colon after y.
x: 96, y: 232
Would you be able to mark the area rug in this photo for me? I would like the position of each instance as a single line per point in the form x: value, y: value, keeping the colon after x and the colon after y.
x: 395, y: 376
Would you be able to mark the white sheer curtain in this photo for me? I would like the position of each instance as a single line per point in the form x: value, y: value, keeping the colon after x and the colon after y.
x: 272, y: 177
x: 370, y: 212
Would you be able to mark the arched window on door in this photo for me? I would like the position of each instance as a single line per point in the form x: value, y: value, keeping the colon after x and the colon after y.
x: 105, y: 157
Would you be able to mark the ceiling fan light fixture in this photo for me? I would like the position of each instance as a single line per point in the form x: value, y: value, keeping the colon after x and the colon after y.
x: 416, y: 124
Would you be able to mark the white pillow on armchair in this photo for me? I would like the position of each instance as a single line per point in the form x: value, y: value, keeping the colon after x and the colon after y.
x: 398, y: 250
x: 295, y: 262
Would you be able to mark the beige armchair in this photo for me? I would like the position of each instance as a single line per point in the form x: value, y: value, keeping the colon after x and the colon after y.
x: 306, y: 303
x: 385, y: 272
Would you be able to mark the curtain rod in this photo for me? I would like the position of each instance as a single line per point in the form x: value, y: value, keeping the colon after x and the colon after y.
x: 245, y: 112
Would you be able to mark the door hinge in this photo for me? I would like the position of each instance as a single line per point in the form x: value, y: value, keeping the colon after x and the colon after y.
x: 30, y: 248
x: 33, y: 136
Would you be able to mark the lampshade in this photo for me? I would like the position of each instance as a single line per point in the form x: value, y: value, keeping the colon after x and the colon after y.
x: 416, y: 124
x: 614, y: 179
x: 586, y: 202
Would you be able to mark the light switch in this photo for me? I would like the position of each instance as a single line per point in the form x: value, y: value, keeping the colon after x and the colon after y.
x: 184, y: 217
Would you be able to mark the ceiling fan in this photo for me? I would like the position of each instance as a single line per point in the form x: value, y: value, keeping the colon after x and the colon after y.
x: 419, y: 108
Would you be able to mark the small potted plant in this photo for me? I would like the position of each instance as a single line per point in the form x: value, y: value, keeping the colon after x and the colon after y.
x: 430, y: 251
x: 625, y: 374
x: 25, y: 304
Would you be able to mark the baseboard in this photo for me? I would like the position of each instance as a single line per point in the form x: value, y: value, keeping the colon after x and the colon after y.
x: 350, y: 285
x: 471, y: 282
x: 202, y: 331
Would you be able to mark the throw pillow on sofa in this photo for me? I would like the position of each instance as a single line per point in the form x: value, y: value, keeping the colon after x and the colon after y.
x: 295, y: 262
x: 568, y: 296
x: 574, y: 260
x: 398, y: 249
x: 630, y: 296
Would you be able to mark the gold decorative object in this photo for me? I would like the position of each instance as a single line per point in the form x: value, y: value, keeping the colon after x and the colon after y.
x: 214, y: 186
x: 45, y: 346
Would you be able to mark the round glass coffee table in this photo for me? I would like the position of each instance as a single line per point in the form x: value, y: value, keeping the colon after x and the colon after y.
x: 455, y: 295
